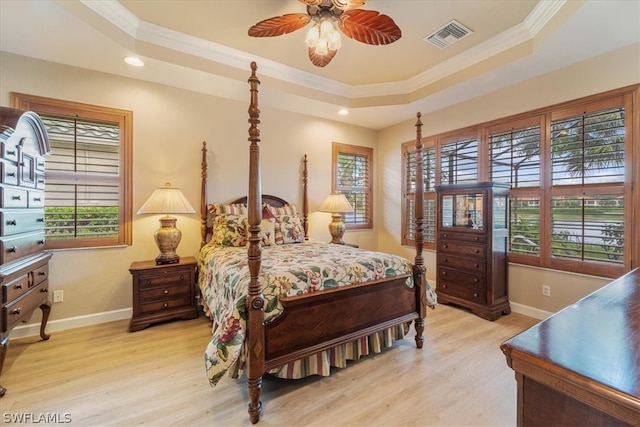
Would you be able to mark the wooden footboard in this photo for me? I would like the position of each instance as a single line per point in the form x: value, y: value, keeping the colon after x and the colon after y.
x: 319, y: 321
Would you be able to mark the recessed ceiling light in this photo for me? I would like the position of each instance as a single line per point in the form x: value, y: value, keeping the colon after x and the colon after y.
x: 343, y: 112
x: 132, y: 60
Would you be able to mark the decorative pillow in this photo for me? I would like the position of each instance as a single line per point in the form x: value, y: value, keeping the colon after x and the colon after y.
x: 229, y: 230
x: 267, y: 231
x: 290, y: 229
x: 267, y: 213
x: 232, y: 209
x: 284, y: 210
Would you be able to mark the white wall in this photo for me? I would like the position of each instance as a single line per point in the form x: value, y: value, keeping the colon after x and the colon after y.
x: 169, y: 126
x: 610, y: 71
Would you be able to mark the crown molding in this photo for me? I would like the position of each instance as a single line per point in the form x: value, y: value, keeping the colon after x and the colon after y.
x: 141, y: 31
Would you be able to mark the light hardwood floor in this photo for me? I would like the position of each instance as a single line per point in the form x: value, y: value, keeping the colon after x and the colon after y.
x: 104, y: 376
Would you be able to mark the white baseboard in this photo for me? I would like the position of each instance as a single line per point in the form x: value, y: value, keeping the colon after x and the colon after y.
x: 536, y: 313
x: 33, y: 329
x: 72, y: 322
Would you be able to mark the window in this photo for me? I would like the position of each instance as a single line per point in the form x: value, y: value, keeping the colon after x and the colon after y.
x: 353, y: 177
x: 409, y: 189
x: 571, y: 168
x: 88, y: 175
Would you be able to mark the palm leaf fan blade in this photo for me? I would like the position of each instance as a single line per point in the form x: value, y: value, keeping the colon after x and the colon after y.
x: 279, y: 25
x: 348, y: 4
x: 321, y: 60
x: 369, y: 26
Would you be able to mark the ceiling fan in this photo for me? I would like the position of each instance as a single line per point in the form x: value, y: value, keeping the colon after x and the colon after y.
x: 323, y: 40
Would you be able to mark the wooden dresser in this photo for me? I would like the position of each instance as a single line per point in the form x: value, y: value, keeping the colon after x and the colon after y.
x: 472, y: 233
x: 581, y: 366
x: 24, y: 265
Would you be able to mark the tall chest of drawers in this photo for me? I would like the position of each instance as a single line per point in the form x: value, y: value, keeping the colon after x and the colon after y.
x: 24, y: 264
x: 472, y: 233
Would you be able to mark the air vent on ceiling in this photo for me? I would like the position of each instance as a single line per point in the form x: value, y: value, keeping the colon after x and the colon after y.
x: 447, y: 35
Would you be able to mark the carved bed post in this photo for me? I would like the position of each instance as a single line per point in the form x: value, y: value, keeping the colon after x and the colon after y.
x: 305, y: 198
x: 203, y: 196
x: 255, y: 300
x: 418, y: 265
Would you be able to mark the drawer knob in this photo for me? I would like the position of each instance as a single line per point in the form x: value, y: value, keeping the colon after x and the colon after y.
x: 41, y: 273
x: 12, y: 222
x: 40, y: 219
x: 41, y: 242
x: 182, y: 277
x: 16, y: 311
x: 15, y: 197
x: 445, y: 246
x: 11, y: 174
x: 445, y: 235
x: 12, y: 249
x: 37, y: 199
x: 165, y: 305
x: 18, y: 286
x: 147, y: 282
x: 477, y: 251
x: 446, y: 260
x: 11, y: 153
x: 444, y: 273
x: 44, y: 290
x: 475, y: 279
x: 166, y: 291
x: 477, y: 238
x: 476, y: 265
x: 444, y: 286
x: 475, y: 294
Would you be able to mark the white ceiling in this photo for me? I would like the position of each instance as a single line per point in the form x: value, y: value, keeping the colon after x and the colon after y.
x: 203, y: 46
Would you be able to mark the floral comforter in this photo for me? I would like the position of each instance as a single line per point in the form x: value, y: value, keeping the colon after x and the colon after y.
x: 291, y: 269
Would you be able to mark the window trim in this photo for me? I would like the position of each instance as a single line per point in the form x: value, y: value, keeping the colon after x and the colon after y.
x: 53, y: 106
x: 336, y: 149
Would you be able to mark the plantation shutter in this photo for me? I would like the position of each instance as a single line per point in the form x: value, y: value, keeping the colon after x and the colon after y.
x: 354, y: 179
x: 429, y: 214
x: 459, y: 162
x: 82, y: 179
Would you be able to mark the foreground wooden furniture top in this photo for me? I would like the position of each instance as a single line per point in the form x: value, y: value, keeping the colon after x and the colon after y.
x: 581, y: 366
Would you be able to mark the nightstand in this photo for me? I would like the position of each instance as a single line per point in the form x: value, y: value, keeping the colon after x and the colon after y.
x: 163, y: 292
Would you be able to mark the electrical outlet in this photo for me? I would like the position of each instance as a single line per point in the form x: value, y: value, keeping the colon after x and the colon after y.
x: 546, y: 290
x: 58, y: 296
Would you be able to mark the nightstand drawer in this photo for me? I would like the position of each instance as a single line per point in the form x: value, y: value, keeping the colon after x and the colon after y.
x: 164, y: 277
x: 164, y: 305
x: 164, y: 292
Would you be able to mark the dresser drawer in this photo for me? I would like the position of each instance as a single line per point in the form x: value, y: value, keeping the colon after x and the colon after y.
x: 13, y: 197
x: 9, y: 151
x: 18, y: 309
x: 20, y: 221
x: 14, y: 289
x: 40, y: 274
x: 13, y: 248
x: 462, y: 249
x: 466, y: 292
x: 469, y: 236
x: 36, y: 199
x: 478, y: 266
x: 462, y: 277
x: 8, y: 173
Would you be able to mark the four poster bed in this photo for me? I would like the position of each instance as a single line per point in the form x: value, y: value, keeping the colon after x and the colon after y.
x: 291, y: 307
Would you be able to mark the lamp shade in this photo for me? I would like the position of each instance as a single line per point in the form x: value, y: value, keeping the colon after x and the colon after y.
x: 336, y: 203
x: 167, y: 200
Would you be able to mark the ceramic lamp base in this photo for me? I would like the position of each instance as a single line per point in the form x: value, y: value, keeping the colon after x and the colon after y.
x: 167, y: 239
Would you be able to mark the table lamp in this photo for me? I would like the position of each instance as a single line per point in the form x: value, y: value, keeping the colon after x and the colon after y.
x: 336, y: 204
x: 167, y: 200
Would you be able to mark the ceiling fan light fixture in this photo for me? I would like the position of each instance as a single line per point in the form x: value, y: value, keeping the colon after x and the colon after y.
x: 323, y: 37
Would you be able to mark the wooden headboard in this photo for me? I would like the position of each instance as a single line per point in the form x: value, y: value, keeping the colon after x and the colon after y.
x: 275, y: 201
